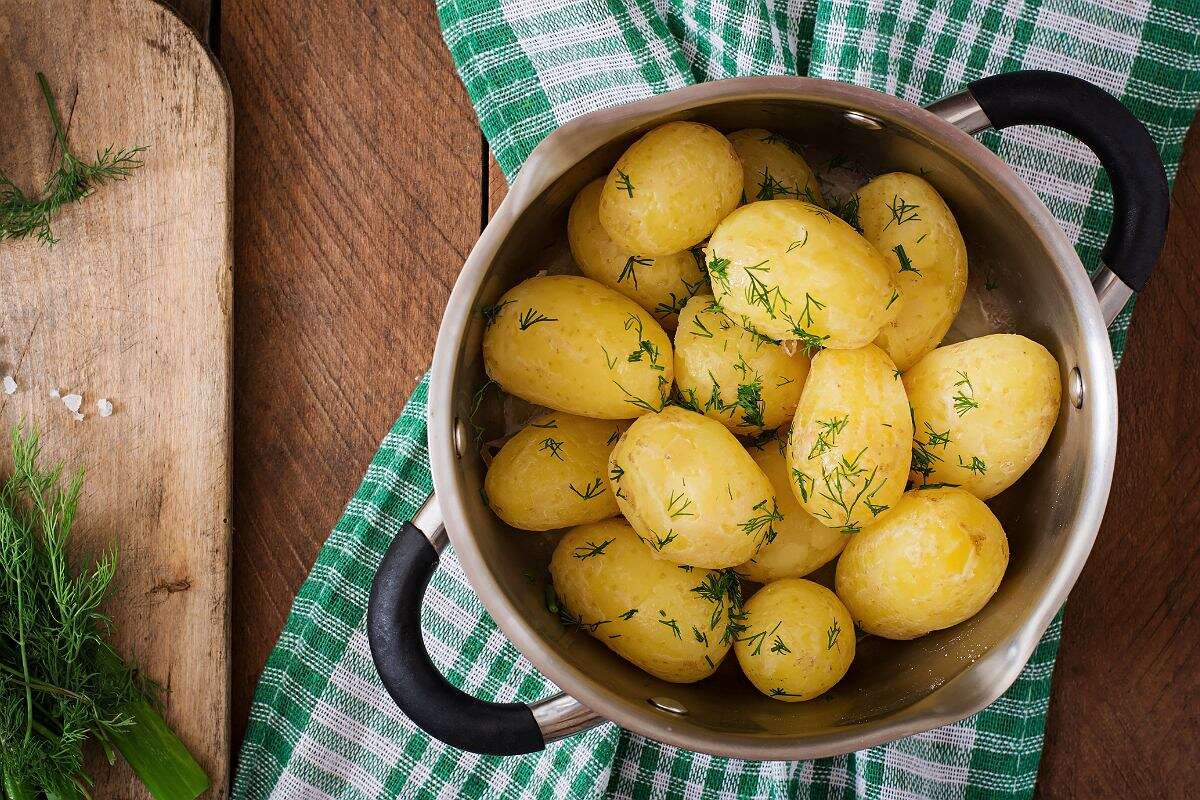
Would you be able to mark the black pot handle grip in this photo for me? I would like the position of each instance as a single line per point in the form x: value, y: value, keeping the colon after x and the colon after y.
x: 409, y: 675
x: 1141, y: 200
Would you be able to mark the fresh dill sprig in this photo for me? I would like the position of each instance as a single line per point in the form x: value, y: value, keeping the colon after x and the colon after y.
x: 553, y: 446
x: 977, y: 466
x: 848, y: 210
x: 832, y: 634
x: 764, y: 520
x: 906, y: 264
x: 532, y: 317
x: 798, y: 243
x: 678, y: 504
x: 718, y: 272
x: 491, y: 313
x: 827, y: 434
x: 902, y: 212
x: 61, y: 683
x: 758, y: 293
x: 590, y: 549
x: 73, y: 180
x: 751, y: 403
x: 723, y: 588
x: 755, y: 640
x: 624, y: 184
x: 964, y: 398
x: 590, y: 490
x: 630, y: 269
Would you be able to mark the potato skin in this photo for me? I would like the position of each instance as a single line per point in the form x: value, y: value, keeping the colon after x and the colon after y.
x: 983, y: 410
x: 799, y: 640
x: 801, y: 544
x: 670, y: 189
x: 745, y: 382
x: 565, y: 342
x: 660, y: 285
x: 911, y: 225
x: 645, y: 610
x: 849, y: 448
x: 772, y: 167
x: 554, y: 473
x: 792, y: 270
x: 932, y: 562
x: 691, y: 491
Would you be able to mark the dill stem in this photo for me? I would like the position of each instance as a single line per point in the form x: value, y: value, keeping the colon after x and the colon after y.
x: 24, y: 660
x: 59, y: 132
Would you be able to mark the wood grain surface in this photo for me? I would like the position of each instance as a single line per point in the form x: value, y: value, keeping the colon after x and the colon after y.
x: 361, y: 180
x: 133, y: 305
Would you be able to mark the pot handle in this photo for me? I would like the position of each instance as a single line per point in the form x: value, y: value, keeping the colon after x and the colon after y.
x: 415, y: 684
x: 1141, y: 199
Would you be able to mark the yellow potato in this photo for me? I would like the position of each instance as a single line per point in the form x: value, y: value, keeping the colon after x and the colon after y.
x: 691, y: 491
x: 570, y: 344
x: 798, y: 641
x: 660, y: 285
x: 982, y: 412
x: 792, y: 270
x: 670, y: 622
x: 932, y: 562
x: 747, y: 383
x: 670, y: 189
x: 850, y: 443
x: 801, y: 543
x: 911, y: 225
x: 773, y: 167
x: 554, y: 473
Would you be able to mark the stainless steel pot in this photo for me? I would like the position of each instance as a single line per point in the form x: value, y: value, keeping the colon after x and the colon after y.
x: 894, y: 689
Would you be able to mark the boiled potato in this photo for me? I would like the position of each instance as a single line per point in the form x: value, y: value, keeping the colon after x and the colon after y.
x: 673, y: 623
x: 773, y: 167
x: 932, y: 562
x: 792, y: 270
x: 982, y: 412
x: 747, y: 383
x: 850, y: 441
x: 670, y: 189
x: 691, y: 491
x: 660, y: 285
x: 798, y: 641
x: 554, y: 473
x: 911, y: 225
x: 801, y: 543
x: 570, y: 344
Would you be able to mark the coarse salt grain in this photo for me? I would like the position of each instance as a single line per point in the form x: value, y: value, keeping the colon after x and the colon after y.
x: 104, y: 407
x: 10, y: 385
x: 73, y: 402
x: 55, y: 393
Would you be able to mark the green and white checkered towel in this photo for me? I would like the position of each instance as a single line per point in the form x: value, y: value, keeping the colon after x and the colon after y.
x: 322, y: 727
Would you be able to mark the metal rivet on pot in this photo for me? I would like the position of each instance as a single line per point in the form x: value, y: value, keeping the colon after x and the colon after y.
x: 668, y: 705
x: 461, y: 438
x: 862, y: 121
x: 1075, y: 388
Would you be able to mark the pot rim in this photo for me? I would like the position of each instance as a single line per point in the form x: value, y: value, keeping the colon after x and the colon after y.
x: 980, y: 683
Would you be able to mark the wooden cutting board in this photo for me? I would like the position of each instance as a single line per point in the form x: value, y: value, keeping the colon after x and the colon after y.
x: 132, y: 305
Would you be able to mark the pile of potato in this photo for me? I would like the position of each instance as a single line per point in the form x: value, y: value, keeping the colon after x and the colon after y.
x: 812, y: 336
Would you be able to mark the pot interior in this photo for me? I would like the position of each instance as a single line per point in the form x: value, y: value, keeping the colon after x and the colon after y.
x: 1019, y: 282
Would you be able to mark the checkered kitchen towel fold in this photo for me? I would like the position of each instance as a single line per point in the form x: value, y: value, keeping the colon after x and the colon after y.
x: 322, y: 727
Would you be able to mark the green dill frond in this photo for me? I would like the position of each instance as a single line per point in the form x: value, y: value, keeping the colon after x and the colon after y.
x: 532, y: 317
x: 73, y: 180
x: 906, y: 264
x: 902, y: 212
x: 624, y: 184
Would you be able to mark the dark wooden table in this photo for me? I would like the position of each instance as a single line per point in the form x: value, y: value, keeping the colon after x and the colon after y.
x: 363, y: 181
